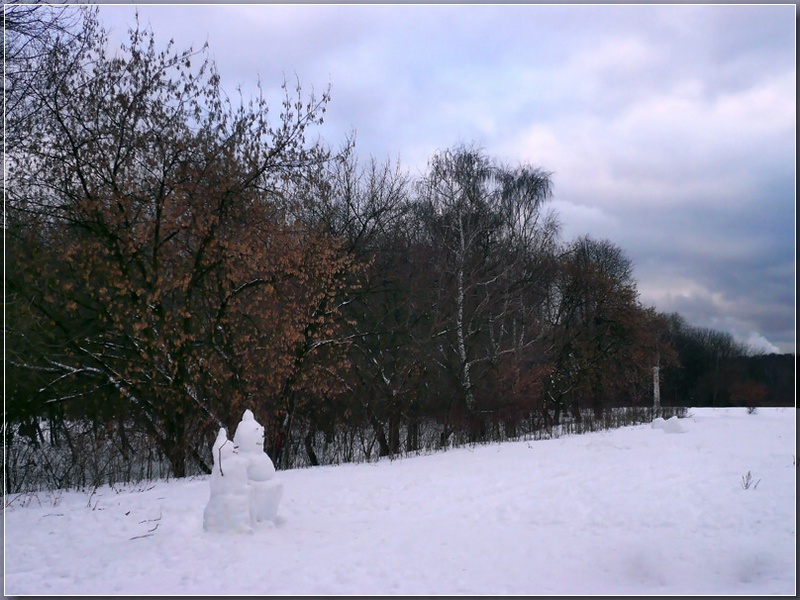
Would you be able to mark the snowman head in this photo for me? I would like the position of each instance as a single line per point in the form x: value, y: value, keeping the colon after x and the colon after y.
x: 249, y: 435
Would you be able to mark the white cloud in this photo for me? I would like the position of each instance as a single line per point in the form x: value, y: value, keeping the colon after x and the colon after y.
x: 579, y: 219
x: 759, y: 343
x: 670, y: 130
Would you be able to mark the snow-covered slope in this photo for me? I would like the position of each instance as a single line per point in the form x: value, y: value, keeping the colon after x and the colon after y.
x: 628, y: 511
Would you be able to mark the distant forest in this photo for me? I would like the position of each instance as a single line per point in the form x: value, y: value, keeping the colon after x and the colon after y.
x: 746, y: 380
x: 174, y: 258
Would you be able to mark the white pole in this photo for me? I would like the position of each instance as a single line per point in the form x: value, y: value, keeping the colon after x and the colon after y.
x: 656, y: 393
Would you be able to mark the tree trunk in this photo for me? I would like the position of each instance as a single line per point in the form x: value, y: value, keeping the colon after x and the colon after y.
x: 412, y: 436
x: 309, y: 444
x: 175, y: 444
x: 380, y: 435
x: 394, y: 435
x: 576, y: 411
x: 124, y: 444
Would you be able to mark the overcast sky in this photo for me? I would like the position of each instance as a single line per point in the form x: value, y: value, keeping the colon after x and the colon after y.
x: 670, y: 130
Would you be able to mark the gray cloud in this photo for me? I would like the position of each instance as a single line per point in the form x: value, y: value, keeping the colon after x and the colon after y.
x: 670, y: 129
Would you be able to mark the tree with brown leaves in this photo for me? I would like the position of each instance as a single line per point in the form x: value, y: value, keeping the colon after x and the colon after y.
x: 154, y: 245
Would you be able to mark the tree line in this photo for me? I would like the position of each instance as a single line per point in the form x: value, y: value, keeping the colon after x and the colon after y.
x: 173, y: 258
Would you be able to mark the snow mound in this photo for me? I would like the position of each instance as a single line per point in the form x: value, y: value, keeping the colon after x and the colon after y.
x: 671, y: 425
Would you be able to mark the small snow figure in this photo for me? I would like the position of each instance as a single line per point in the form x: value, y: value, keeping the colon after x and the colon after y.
x: 265, y: 492
x: 228, y: 507
x: 671, y: 425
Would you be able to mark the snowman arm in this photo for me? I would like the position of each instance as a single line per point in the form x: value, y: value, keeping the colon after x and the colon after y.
x: 219, y: 451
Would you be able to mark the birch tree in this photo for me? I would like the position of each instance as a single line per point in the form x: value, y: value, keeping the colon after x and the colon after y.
x: 488, y: 230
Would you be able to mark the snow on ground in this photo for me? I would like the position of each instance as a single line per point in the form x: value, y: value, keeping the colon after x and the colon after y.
x: 638, y: 510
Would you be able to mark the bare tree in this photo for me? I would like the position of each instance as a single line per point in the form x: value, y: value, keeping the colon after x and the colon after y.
x: 366, y: 206
x: 30, y: 33
x: 487, y: 228
x: 604, y: 343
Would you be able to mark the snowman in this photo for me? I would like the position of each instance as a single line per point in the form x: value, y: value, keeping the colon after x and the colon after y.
x: 265, y: 491
x: 228, y: 506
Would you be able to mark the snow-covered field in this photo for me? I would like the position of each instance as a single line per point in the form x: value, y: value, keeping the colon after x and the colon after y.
x: 637, y: 510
